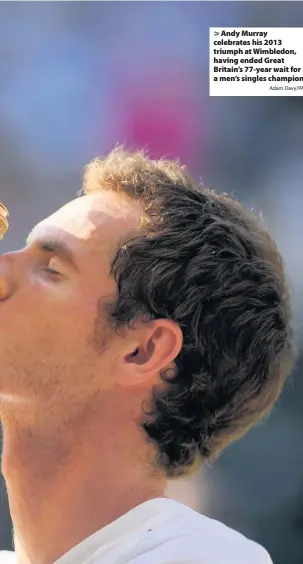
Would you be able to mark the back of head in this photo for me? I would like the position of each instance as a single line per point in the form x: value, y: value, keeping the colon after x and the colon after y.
x: 204, y: 261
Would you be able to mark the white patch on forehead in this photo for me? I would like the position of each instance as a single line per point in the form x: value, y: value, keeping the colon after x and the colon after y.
x: 84, y: 216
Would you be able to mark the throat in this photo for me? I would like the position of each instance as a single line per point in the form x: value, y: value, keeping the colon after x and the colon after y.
x: 37, y: 469
x: 58, y: 489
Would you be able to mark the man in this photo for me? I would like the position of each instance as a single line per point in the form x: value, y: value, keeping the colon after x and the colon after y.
x: 144, y: 327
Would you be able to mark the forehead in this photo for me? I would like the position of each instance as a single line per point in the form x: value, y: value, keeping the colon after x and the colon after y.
x: 92, y: 221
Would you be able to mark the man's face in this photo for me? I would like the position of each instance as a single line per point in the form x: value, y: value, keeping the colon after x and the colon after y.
x: 49, y: 296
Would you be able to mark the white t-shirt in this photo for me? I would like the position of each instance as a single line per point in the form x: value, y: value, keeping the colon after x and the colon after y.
x: 162, y: 531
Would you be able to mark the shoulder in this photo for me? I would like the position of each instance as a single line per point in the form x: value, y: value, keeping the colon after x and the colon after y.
x: 194, y: 547
x: 191, y: 538
x: 7, y: 557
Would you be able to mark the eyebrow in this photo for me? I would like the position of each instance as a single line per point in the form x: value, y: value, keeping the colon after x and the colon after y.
x: 55, y: 246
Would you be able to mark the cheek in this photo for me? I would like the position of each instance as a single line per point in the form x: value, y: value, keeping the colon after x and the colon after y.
x: 45, y: 341
x: 37, y: 318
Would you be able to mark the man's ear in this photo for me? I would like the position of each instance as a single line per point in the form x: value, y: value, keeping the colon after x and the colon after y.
x: 150, y: 347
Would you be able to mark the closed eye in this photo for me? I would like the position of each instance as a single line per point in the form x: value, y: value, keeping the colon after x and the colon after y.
x: 52, y: 271
x: 56, y: 248
x: 51, y: 268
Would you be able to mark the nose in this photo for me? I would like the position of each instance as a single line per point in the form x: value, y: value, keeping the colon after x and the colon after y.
x: 6, y: 277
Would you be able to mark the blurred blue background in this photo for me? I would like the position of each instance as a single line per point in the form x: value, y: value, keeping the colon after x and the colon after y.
x: 76, y: 78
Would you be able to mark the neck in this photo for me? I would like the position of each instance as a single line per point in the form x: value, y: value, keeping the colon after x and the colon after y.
x: 66, y: 482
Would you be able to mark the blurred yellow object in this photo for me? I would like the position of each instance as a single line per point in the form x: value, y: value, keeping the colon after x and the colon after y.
x: 4, y: 225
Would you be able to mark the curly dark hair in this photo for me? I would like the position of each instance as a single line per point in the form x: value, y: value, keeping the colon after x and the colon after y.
x: 204, y: 261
